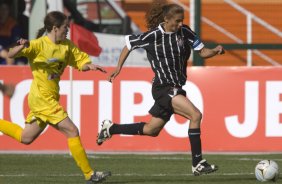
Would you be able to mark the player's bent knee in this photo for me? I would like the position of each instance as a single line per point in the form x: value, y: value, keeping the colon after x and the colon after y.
x: 197, y: 116
x: 71, y: 132
x: 75, y: 132
x: 27, y: 141
x: 153, y: 133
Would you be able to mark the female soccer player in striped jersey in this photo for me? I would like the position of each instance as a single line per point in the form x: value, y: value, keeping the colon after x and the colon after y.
x: 48, y: 56
x: 168, y: 44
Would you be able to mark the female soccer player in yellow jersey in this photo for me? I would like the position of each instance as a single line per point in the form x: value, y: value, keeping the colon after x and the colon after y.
x: 48, y: 57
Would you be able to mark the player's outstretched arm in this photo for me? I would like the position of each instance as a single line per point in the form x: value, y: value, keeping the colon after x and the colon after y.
x: 21, y: 44
x: 90, y: 66
x: 207, y: 53
x: 123, y: 56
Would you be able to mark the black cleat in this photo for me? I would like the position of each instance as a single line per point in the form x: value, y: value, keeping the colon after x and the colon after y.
x: 98, y: 176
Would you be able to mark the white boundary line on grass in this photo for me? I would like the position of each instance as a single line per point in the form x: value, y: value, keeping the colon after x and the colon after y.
x: 163, y: 157
x: 124, y: 174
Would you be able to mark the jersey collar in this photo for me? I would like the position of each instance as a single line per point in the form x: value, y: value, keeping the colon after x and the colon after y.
x: 160, y: 27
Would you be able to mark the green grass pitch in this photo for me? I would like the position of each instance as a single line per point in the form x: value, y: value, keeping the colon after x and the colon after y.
x: 130, y: 168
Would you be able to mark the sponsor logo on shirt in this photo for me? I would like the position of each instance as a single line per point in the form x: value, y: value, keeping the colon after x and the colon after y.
x: 52, y: 60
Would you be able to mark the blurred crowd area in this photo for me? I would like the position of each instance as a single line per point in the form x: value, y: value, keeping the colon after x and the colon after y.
x: 13, y: 25
x: 222, y: 22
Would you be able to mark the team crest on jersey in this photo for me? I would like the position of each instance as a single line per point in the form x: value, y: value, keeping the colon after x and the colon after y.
x: 180, y: 41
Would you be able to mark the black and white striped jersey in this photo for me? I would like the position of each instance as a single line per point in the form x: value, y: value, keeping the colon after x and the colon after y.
x: 168, y: 52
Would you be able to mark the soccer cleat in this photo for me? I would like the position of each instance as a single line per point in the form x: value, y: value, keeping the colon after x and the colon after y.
x: 104, y: 133
x: 203, y: 168
x: 98, y: 176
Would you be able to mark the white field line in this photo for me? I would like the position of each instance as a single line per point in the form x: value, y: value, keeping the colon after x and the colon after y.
x: 178, y: 158
x: 255, y: 159
x: 124, y: 174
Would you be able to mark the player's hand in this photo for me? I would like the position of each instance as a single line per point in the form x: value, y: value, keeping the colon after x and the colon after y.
x: 95, y: 67
x: 8, y: 90
x: 113, y: 75
x: 219, y: 49
x: 23, y: 42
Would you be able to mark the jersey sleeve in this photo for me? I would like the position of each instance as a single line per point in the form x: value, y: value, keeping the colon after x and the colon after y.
x: 30, y: 52
x: 138, y: 41
x: 77, y: 58
x: 190, y: 36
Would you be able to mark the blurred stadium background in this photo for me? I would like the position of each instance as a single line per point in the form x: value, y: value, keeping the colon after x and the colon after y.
x: 239, y: 94
x: 250, y: 30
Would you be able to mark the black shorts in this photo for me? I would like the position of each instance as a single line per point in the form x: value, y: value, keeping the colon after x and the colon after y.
x: 162, y: 95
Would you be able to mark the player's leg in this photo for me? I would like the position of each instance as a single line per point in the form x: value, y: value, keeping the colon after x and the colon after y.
x: 11, y: 129
x: 154, y: 126
x: 161, y: 113
x: 26, y: 136
x: 151, y: 128
x: 68, y: 128
x: 186, y: 108
x: 32, y: 130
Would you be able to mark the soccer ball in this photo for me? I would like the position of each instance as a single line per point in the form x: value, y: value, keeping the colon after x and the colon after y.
x: 267, y: 170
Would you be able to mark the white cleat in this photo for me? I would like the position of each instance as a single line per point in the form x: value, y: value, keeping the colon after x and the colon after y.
x: 203, y: 168
x: 104, y: 133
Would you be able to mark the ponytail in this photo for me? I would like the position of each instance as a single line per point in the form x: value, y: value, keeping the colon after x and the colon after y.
x: 40, y: 32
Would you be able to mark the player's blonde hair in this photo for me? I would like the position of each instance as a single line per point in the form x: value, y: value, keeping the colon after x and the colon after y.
x: 159, y: 10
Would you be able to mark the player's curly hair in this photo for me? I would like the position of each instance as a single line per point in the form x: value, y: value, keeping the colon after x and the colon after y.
x: 159, y: 10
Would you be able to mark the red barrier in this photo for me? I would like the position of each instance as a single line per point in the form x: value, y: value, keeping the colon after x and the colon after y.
x: 241, y: 109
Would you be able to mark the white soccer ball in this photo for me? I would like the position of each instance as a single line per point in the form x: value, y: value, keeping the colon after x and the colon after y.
x: 267, y: 170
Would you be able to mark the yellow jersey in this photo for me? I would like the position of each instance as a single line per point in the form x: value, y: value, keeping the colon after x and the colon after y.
x: 48, y: 61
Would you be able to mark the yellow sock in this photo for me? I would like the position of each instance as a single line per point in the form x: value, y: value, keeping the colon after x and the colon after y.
x: 11, y: 129
x: 79, y: 156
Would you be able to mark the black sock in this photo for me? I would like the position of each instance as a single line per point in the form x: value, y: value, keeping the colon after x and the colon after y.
x: 128, y: 129
x: 196, y: 146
